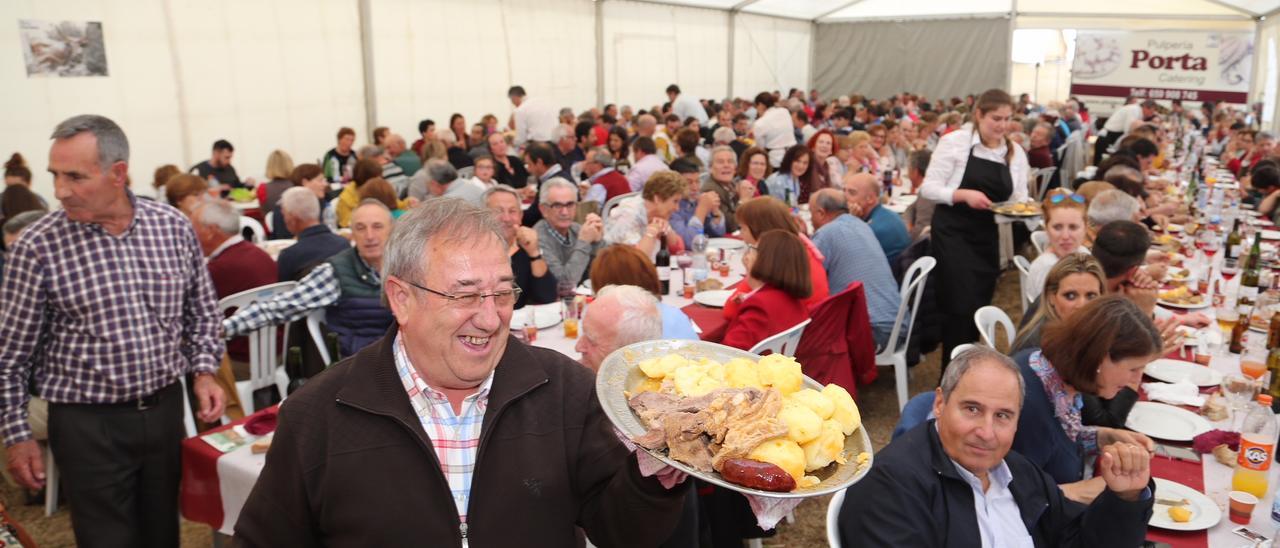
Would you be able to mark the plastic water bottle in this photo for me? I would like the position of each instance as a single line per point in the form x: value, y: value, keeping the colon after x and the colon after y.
x: 698, y: 248
x: 1257, y: 445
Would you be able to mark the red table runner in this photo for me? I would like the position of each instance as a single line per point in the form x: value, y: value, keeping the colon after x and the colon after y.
x: 201, y: 497
x: 1190, y: 474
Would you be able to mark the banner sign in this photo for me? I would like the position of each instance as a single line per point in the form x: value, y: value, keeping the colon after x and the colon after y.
x: 1186, y: 65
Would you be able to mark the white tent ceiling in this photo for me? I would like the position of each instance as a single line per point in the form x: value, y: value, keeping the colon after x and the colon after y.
x: 823, y: 11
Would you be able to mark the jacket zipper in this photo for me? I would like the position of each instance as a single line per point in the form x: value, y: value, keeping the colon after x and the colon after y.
x: 462, y: 527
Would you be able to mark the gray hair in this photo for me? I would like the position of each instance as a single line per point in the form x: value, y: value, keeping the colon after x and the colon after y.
x: 371, y: 151
x: 21, y: 221
x: 1264, y: 136
x: 113, y: 146
x: 220, y: 215
x: 566, y: 111
x: 1112, y: 205
x: 439, y: 220
x: 830, y: 202
x: 640, y: 318
x: 441, y: 171
x: 553, y: 183
x: 300, y: 202
x: 495, y: 189
x: 919, y: 159
x: 722, y: 148
x: 601, y: 155
x: 723, y: 135
x: 447, y: 137
x: 561, y: 131
x: 972, y: 356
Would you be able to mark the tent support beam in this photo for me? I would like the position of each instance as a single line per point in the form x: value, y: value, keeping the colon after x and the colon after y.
x: 733, y: 23
x: 599, y: 55
x: 1172, y: 17
x: 837, y: 10
x: 366, y: 53
x: 671, y: 5
x: 1239, y: 10
x: 1008, y: 56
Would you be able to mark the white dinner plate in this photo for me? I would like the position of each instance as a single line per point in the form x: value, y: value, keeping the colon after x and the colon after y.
x: 584, y: 289
x: 1177, y: 371
x: 1204, y: 512
x: 714, y: 298
x: 1270, y: 234
x: 1203, y: 304
x: 1166, y: 422
x: 725, y: 243
x: 544, y: 315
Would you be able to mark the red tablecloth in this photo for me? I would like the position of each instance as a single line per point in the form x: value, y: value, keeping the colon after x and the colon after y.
x: 710, y: 320
x: 1190, y: 474
x: 200, y: 497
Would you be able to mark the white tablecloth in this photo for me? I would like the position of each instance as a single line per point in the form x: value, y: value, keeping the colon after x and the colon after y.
x: 237, y: 472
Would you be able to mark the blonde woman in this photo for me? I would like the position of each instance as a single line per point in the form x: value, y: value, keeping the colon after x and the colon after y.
x: 279, y: 168
x: 1075, y: 280
x: 863, y: 158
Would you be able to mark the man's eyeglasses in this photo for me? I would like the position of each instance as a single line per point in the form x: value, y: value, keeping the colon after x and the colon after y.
x: 560, y: 205
x: 505, y: 297
x: 1059, y: 198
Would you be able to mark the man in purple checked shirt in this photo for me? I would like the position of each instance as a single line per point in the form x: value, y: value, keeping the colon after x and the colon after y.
x: 103, y: 306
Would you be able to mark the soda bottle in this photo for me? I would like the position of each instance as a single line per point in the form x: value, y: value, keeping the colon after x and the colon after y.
x: 1257, y: 444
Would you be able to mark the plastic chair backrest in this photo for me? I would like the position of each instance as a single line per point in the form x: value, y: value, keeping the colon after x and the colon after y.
x: 1024, y: 274
x: 259, y: 233
x: 784, y: 343
x: 1043, y: 177
x: 613, y: 202
x: 1040, y: 240
x: 264, y: 347
x: 986, y: 318
x: 909, y: 296
x: 833, y: 519
x: 314, y: 319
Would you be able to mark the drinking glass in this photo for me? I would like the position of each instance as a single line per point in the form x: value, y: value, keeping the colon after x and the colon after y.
x: 1238, y: 389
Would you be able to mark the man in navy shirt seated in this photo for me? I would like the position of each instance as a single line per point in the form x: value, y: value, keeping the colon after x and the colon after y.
x: 953, y: 481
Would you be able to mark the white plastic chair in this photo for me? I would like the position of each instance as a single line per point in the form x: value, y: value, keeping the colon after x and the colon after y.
x: 314, y: 319
x: 1043, y: 177
x: 986, y: 318
x: 784, y: 343
x: 1040, y: 240
x: 613, y: 202
x: 265, y: 366
x: 268, y: 221
x: 1024, y: 273
x: 833, y: 517
x: 909, y: 297
x: 467, y: 172
x: 259, y: 233
x: 957, y: 350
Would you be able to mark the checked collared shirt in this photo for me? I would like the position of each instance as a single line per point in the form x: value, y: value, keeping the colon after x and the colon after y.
x: 100, y: 318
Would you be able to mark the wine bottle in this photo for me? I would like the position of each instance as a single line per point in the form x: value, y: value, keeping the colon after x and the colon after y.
x: 663, y: 262
x: 1235, y: 243
x: 293, y: 367
x: 1249, y: 280
x: 335, y: 349
x: 1237, y: 333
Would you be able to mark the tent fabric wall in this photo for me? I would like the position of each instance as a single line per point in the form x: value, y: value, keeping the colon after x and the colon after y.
x: 283, y: 74
x: 770, y: 53
x: 437, y: 57
x: 648, y: 46
x: 934, y: 58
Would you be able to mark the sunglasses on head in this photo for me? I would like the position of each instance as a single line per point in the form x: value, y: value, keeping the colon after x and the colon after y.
x: 1059, y: 198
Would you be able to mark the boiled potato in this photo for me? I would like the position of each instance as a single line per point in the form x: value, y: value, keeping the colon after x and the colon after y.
x: 698, y: 379
x: 649, y: 385
x: 784, y: 453
x: 657, y: 368
x: 741, y: 373
x: 1179, y: 514
x: 815, y: 401
x: 802, y: 423
x: 781, y: 372
x: 826, y: 448
x: 846, y: 412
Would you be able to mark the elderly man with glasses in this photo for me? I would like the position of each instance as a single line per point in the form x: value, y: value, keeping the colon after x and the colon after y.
x: 448, y: 428
x: 527, y: 262
x: 567, y: 247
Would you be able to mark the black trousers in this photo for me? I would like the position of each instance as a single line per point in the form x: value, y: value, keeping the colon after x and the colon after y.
x: 120, y: 467
x: 1101, y: 145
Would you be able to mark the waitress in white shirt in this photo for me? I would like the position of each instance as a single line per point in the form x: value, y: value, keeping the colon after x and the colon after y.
x: 774, y: 131
x: 971, y: 168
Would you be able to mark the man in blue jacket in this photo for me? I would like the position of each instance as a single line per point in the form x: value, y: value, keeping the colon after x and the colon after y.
x: 954, y: 482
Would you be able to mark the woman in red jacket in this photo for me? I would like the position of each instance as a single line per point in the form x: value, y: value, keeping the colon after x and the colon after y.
x: 762, y: 215
x: 778, y: 281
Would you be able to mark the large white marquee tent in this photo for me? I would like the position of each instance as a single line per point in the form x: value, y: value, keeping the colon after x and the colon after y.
x: 269, y: 74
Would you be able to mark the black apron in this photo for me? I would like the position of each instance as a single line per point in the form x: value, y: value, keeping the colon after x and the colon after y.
x: 966, y: 244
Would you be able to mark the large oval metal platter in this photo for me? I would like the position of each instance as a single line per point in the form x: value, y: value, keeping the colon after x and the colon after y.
x: 620, y: 373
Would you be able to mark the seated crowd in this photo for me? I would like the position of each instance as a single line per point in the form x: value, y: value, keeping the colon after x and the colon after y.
x: 417, y: 255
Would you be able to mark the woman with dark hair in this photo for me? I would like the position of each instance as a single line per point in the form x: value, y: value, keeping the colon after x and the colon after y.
x: 754, y: 167
x: 826, y: 150
x: 970, y: 169
x: 765, y: 214
x: 617, y: 145
x: 18, y: 199
x: 794, y: 180
x: 311, y: 177
x: 778, y: 278
x: 349, y: 199
x: 458, y: 125
x: 1101, y: 349
x: 16, y: 171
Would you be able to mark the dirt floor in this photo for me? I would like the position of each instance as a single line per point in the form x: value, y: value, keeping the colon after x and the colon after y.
x: 877, y: 403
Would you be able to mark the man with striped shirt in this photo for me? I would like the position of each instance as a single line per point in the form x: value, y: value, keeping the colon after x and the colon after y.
x: 104, y: 305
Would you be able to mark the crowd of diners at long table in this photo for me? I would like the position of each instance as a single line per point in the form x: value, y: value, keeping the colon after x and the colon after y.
x: 106, y: 301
